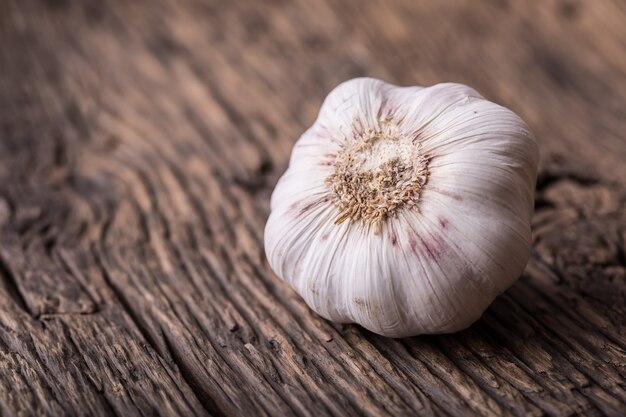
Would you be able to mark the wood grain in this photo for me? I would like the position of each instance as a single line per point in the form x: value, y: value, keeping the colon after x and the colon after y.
x: 140, y: 141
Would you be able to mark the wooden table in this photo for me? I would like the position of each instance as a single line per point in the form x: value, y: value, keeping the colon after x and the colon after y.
x: 139, y: 144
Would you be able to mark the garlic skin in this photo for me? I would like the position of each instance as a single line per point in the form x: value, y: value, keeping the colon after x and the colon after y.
x: 405, y: 209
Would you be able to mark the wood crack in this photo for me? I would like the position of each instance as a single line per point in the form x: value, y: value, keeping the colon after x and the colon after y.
x: 128, y: 309
x: 194, y: 383
x: 12, y: 287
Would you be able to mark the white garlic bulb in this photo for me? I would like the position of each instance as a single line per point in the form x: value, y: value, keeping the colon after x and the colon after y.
x: 406, y: 210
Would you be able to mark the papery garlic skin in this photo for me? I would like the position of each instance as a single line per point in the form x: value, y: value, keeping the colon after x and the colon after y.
x: 436, y: 262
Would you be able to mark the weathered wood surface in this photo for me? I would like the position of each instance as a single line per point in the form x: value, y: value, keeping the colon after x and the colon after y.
x: 139, y: 143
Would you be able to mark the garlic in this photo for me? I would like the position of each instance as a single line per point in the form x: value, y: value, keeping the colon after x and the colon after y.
x: 405, y: 210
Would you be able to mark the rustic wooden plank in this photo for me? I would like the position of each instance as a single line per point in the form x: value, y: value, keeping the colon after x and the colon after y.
x: 138, y: 149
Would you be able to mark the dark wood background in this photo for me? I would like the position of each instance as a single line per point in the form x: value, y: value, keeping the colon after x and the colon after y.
x: 139, y: 144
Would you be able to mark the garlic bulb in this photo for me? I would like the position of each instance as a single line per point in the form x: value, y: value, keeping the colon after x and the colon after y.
x: 406, y: 210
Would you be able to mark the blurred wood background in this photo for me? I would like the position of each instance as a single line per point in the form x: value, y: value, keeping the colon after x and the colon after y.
x: 139, y: 144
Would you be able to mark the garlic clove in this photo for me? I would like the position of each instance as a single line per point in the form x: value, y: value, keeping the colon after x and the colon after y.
x: 353, y: 106
x: 416, y: 108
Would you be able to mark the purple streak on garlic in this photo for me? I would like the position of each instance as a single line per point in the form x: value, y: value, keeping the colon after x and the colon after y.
x: 405, y: 210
